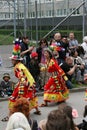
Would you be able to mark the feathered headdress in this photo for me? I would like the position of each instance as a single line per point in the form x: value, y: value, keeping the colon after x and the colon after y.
x: 53, y: 47
x: 16, y: 51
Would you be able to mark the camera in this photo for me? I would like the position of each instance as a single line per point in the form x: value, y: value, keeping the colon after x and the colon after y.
x: 78, y: 65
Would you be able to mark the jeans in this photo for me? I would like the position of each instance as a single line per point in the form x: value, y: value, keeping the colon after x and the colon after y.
x: 69, y: 84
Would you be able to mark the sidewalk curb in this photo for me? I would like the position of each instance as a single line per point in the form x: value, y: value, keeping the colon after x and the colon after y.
x: 81, y: 89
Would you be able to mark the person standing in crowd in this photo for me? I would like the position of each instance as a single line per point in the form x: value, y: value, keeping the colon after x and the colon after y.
x: 40, y: 50
x: 65, y: 44
x: 60, y: 44
x: 26, y: 84
x: 41, y: 59
x: 73, y: 43
x: 26, y: 51
x: 55, y: 89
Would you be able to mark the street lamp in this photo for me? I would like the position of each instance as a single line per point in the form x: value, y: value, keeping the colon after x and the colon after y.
x: 25, y: 18
x: 83, y: 21
x: 14, y: 19
x: 36, y: 22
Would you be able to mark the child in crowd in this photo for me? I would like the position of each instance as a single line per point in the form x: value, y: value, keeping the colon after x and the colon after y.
x: 35, y: 69
x: 6, y: 86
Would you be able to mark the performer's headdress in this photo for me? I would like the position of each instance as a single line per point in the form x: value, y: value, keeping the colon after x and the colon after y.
x: 54, y: 47
x: 16, y: 51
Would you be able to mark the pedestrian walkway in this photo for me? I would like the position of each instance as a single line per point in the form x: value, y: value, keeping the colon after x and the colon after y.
x: 76, y: 100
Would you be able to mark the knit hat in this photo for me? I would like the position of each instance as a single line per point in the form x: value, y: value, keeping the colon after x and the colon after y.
x: 6, y: 75
x: 16, y: 52
x: 18, y: 121
x: 34, y: 54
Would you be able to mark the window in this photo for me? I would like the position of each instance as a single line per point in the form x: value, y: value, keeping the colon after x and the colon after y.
x: 49, y: 13
x: 7, y: 15
x: 59, y: 12
x: 41, y: 13
x: 48, y: 0
x: 1, y: 15
x: 65, y: 12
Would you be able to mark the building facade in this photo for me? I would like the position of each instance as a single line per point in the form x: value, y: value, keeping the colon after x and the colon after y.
x: 47, y: 13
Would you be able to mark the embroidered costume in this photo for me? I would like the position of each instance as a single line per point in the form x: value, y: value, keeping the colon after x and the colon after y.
x: 26, y: 84
x: 55, y: 89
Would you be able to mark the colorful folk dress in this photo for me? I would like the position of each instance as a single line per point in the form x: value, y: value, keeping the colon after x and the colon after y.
x: 55, y: 89
x: 25, y: 87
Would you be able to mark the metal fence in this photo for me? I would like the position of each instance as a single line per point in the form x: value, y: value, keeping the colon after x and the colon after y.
x: 19, y: 14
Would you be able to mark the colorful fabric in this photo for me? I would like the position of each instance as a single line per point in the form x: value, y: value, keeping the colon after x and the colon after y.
x: 56, y: 90
x: 25, y: 86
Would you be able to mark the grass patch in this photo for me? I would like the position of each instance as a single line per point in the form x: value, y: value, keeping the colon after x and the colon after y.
x: 6, y: 40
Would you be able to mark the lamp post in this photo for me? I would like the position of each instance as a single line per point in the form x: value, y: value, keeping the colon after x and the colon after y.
x: 83, y: 21
x: 14, y: 19
x: 25, y: 18
x: 36, y: 22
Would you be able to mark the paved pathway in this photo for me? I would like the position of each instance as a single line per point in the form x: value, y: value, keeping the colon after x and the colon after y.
x: 5, y: 53
x: 76, y: 100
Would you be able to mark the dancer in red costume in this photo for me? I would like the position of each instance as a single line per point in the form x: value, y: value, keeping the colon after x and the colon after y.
x: 55, y: 89
x: 26, y: 84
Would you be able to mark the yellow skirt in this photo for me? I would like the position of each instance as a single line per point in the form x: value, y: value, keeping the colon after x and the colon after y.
x: 33, y: 103
x: 56, y: 97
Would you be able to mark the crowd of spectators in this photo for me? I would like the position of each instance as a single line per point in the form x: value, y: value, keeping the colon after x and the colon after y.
x: 70, y: 56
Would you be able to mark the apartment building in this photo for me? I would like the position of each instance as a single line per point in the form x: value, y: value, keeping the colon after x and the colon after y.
x: 47, y: 12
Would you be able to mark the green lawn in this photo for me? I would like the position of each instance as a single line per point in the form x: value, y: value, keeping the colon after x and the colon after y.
x: 6, y: 40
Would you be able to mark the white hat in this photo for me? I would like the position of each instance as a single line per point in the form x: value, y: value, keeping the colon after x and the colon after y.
x: 85, y: 39
x: 18, y: 121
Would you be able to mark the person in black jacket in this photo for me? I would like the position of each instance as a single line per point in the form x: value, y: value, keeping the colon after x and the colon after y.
x: 35, y: 69
x: 26, y: 51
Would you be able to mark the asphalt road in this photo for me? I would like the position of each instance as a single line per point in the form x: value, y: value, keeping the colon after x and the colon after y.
x: 76, y: 100
x: 5, y: 53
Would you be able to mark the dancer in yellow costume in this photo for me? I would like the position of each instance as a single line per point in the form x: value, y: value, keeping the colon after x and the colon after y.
x: 26, y: 84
